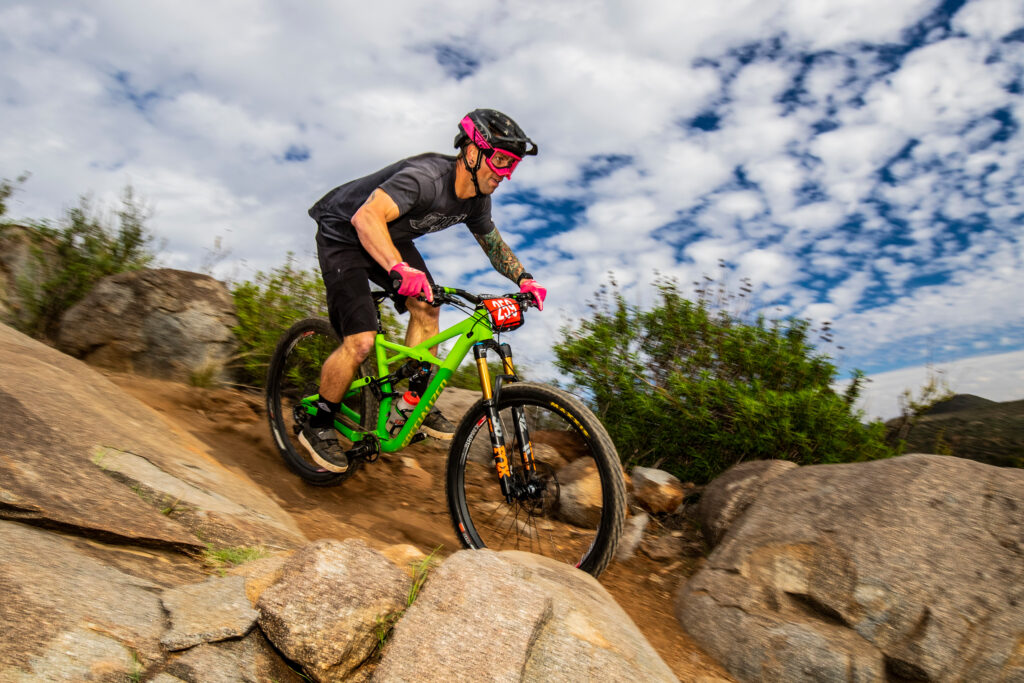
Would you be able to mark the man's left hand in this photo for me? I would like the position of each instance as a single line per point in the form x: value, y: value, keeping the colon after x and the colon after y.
x: 533, y: 287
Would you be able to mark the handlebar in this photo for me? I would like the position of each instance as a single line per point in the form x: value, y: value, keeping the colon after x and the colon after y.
x: 451, y: 295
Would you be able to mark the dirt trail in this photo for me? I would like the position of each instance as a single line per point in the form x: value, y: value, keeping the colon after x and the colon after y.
x: 399, y: 499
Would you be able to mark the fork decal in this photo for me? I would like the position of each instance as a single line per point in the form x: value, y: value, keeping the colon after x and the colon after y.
x: 501, y: 462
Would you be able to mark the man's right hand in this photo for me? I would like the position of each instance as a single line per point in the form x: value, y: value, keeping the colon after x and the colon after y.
x: 414, y: 282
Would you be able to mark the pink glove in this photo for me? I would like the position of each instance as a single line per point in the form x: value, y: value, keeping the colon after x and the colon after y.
x: 414, y: 282
x: 530, y: 286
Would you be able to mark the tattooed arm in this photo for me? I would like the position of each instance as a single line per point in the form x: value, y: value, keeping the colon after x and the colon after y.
x: 506, y: 263
x: 501, y: 256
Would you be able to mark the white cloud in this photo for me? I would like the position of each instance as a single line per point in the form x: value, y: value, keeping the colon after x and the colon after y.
x: 682, y: 171
x: 771, y: 268
x: 894, y: 274
x: 211, y: 121
x: 742, y: 205
x: 815, y: 218
x: 848, y: 294
x: 989, y: 19
x: 974, y: 304
x: 829, y: 265
x: 759, y: 84
x: 830, y: 25
x: 940, y: 87
x: 852, y: 154
x: 779, y: 178
x: 825, y: 81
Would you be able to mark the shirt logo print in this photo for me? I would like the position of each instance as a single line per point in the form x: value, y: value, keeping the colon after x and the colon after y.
x: 433, y: 222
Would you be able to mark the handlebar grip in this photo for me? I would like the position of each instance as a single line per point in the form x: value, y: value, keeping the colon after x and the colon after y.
x: 436, y: 290
x: 525, y: 299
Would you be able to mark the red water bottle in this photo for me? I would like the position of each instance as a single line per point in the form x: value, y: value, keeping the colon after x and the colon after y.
x: 400, y: 411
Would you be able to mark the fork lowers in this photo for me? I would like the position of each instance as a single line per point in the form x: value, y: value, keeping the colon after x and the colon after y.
x: 569, y: 505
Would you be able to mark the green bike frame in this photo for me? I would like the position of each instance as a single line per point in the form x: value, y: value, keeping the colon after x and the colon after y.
x: 473, y: 330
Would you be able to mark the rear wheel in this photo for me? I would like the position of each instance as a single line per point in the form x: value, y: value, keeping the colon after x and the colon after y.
x: 570, y: 509
x: 295, y: 374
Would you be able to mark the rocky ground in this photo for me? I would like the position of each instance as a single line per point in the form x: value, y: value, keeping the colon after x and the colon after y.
x: 117, y: 493
x: 400, y: 499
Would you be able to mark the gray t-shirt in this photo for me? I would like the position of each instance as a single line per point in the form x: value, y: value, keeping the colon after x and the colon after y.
x: 422, y: 186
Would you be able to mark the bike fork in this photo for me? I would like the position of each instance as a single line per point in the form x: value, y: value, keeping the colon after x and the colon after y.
x: 521, y: 435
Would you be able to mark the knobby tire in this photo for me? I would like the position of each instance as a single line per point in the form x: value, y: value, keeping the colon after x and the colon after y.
x: 567, y: 440
x: 294, y: 373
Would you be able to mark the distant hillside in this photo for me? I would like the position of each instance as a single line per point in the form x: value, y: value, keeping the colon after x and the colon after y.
x: 971, y: 427
x: 961, y: 402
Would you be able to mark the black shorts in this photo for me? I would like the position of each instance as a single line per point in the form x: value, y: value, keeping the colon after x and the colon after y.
x: 347, y: 272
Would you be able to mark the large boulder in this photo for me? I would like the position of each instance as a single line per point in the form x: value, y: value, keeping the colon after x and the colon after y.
x: 514, y: 616
x: 579, y: 497
x: 908, y: 568
x: 70, y: 435
x: 207, y: 612
x: 729, y: 496
x: 66, y: 615
x: 249, y: 660
x: 657, y: 491
x: 78, y: 610
x: 325, y: 611
x: 162, y: 323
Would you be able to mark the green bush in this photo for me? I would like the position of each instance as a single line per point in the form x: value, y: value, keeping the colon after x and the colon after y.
x: 7, y: 189
x: 268, y: 305
x: 697, y: 390
x: 72, y: 257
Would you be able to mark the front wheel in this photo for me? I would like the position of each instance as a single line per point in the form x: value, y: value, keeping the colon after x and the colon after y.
x: 570, y: 508
x: 295, y: 374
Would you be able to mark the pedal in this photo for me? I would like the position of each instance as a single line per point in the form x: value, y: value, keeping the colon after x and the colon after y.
x: 417, y: 437
x: 367, y: 449
x: 299, y: 417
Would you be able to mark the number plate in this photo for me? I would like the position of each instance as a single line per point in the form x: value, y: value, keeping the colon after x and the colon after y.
x: 505, y: 313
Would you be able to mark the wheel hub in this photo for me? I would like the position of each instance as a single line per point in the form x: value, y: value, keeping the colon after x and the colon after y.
x: 539, y: 493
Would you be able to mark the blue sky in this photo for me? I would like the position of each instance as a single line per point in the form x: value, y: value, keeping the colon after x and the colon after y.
x: 861, y: 161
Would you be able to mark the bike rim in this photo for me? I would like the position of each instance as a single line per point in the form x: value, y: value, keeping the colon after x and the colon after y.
x: 299, y: 377
x: 564, y: 517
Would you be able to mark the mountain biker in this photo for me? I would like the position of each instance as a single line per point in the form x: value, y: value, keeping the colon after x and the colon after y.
x: 365, y: 231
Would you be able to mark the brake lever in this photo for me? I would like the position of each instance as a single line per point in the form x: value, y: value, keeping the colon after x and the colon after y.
x: 435, y: 290
x: 525, y: 299
x: 438, y: 294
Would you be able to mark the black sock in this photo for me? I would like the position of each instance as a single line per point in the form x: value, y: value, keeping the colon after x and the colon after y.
x: 325, y: 411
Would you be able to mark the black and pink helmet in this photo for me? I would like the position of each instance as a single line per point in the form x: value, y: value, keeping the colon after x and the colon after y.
x: 501, y: 141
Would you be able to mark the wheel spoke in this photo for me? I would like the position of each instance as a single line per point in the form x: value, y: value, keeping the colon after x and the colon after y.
x: 559, y: 510
x: 294, y: 375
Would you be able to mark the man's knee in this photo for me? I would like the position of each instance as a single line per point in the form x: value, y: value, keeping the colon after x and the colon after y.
x: 421, y: 310
x: 359, y: 345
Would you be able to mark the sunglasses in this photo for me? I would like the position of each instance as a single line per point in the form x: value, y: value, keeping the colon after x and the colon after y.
x: 501, y: 161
